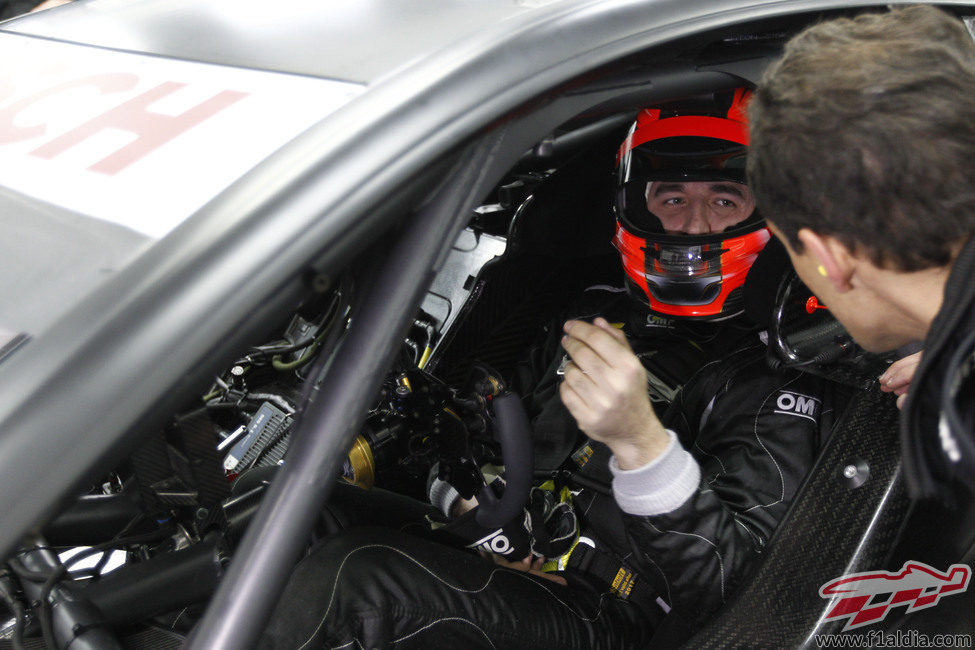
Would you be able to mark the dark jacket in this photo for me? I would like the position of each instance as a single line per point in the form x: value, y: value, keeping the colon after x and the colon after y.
x: 937, y: 452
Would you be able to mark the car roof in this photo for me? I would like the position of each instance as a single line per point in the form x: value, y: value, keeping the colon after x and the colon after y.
x: 357, y: 41
x: 296, y: 65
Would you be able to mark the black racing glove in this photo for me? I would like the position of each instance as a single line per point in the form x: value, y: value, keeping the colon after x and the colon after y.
x: 546, y: 528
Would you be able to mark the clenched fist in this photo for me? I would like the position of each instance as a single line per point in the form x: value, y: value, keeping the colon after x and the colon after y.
x: 605, y: 390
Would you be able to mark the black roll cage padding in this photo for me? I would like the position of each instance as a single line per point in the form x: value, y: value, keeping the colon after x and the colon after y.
x: 514, y: 432
x: 836, y: 525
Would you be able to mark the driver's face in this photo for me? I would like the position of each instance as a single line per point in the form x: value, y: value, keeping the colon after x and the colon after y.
x: 699, y: 207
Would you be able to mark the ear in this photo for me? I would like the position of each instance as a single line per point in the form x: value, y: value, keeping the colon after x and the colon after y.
x: 832, y: 258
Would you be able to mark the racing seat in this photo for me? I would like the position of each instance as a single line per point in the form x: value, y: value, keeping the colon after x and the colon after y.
x: 558, y: 243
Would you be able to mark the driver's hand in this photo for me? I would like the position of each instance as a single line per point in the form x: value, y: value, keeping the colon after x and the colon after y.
x: 897, y: 378
x: 530, y: 564
x: 605, y: 390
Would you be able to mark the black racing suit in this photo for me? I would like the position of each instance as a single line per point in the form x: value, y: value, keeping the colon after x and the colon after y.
x: 688, y: 526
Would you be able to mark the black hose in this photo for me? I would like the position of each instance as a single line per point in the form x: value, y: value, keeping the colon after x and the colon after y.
x: 335, y: 330
x: 26, y: 574
x: 92, y: 519
x: 8, y: 592
x: 265, y: 350
x: 61, y: 571
x: 165, y: 583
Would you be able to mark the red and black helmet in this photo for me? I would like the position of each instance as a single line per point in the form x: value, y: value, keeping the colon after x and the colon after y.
x: 697, y: 276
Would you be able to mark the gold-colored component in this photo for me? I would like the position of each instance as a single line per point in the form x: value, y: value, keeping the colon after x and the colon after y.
x: 361, y: 464
x: 404, y: 381
x: 495, y: 386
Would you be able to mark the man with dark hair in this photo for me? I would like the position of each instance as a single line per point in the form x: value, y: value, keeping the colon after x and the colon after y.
x: 862, y: 142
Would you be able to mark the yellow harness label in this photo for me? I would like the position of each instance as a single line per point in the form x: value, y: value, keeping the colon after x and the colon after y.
x: 582, y: 456
x: 623, y: 583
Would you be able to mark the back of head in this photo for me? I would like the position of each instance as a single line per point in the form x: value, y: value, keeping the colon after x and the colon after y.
x: 863, y: 131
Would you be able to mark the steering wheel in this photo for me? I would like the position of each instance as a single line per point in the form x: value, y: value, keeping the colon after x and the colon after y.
x: 514, y: 433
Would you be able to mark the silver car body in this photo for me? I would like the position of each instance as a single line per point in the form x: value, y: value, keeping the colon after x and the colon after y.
x: 137, y: 260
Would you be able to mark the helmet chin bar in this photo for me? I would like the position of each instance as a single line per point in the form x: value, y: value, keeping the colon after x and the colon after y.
x: 695, y: 277
x: 683, y: 275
